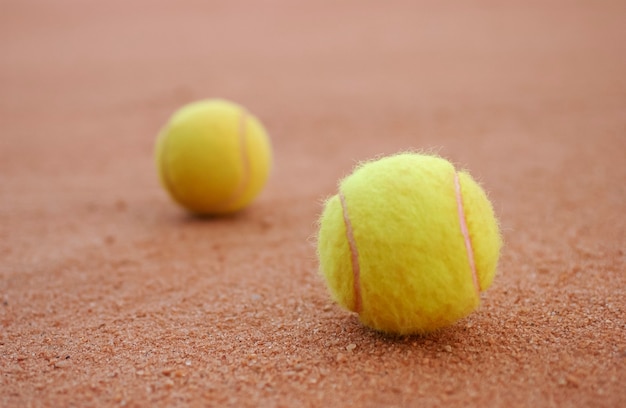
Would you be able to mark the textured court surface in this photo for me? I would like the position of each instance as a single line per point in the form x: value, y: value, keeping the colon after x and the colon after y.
x: 112, y: 296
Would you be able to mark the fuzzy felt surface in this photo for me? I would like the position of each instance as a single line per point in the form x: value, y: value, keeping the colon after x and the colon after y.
x: 395, y: 227
x: 213, y: 157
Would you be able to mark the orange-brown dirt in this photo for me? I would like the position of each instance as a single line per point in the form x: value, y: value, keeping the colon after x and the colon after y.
x: 110, y: 295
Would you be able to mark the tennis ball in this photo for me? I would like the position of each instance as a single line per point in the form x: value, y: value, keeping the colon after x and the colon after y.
x: 213, y: 157
x: 408, y: 243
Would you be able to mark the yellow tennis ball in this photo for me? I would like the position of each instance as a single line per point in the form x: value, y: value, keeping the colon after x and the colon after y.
x: 408, y: 243
x: 213, y: 157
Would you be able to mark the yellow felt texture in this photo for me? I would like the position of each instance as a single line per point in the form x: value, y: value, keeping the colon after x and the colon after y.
x: 415, y: 275
x: 213, y: 157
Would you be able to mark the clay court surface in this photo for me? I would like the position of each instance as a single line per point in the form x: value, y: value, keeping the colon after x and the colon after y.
x: 110, y: 295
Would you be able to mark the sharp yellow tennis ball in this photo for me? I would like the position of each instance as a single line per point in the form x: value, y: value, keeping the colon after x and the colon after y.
x: 213, y: 157
x: 408, y: 243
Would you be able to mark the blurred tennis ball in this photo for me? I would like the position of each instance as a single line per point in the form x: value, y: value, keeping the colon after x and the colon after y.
x: 213, y: 157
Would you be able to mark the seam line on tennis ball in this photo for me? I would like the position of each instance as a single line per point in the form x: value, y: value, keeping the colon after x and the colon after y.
x: 245, y: 163
x: 465, y: 230
x: 354, y: 252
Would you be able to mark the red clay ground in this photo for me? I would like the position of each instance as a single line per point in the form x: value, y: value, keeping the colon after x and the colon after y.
x: 111, y: 295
